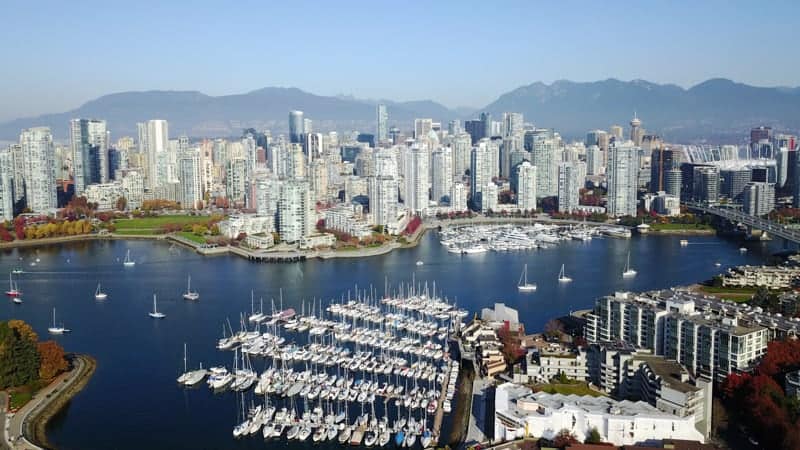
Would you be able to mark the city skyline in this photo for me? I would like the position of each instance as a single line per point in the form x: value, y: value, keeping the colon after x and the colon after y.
x: 169, y: 55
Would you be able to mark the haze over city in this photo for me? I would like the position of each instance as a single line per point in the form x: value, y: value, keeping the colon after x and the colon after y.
x: 459, y: 54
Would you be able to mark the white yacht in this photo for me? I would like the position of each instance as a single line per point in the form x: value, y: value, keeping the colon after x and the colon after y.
x: 56, y: 329
x: 155, y: 314
x: 128, y: 261
x: 562, y: 277
x: 189, y: 294
x: 628, y: 272
x: 99, y: 294
x: 523, y: 285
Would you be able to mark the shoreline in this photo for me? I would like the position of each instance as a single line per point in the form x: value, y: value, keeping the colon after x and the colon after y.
x: 35, y: 427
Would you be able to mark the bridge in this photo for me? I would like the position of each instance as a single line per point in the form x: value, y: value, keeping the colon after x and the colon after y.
x: 734, y: 214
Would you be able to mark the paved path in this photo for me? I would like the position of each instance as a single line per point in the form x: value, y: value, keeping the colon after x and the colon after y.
x: 3, y: 423
x: 477, y: 416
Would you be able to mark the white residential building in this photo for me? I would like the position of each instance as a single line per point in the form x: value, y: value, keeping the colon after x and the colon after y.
x: 249, y: 224
x: 623, y: 172
x: 416, y: 177
x: 545, y: 157
x: 191, y: 188
x: 568, y: 187
x: 104, y: 194
x: 442, y: 175
x: 40, y: 183
x: 458, y: 197
x: 6, y: 184
x: 594, y: 160
x: 295, y: 211
x: 383, y: 200
x: 480, y: 171
x: 153, y: 142
x: 133, y: 187
x: 489, y: 198
x: 89, y: 145
x: 526, y: 186
x: 347, y: 219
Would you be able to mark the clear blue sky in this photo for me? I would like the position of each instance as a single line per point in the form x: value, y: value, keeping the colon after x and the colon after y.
x: 58, y: 54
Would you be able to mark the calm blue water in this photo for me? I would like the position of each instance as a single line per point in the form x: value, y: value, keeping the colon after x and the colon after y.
x: 133, y: 402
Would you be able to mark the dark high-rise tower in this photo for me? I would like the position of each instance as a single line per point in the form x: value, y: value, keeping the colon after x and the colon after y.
x: 296, y: 127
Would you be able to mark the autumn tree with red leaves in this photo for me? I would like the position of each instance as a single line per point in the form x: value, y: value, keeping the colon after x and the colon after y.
x: 51, y: 360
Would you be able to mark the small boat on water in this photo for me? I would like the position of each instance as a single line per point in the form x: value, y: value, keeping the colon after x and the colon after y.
x: 99, y: 294
x: 522, y: 284
x: 56, y: 329
x: 155, y: 314
x: 562, y: 277
x: 742, y: 250
x: 13, y: 290
x: 189, y: 294
x: 684, y: 242
x: 628, y: 272
x: 17, y: 271
x: 128, y: 261
x: 420, y: 263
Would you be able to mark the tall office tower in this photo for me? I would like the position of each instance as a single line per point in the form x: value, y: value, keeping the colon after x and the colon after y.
x: 512, y: 124
x: 294, y: 211
x: 782, y: 166
x: 758, y: 198
x: 623, y: 171
x: 296, y: 127
x: 416, y: 177
x: 706, y: 184
x: 594, y: 160
x: 189, y: 174
x: 568, y: 187
x: 480, y: 171
x: 6, y: 184
x: 458, y: 197
x: 672, y: 183
x: 313, y: 146
x: 383, y: 200
x: 319, y: 180
x: 39, y: 173
x: 250, y: 154
x: 662, y: 160
x: 381, y: 127
x: 526, y: 186
x: 454, y: 127
x: 422, y: 128
x: 545, y: 157
x: 462, y: 151
x: 235, y: 185
x: 153, y: 142
x: 489, y: 195
x: 486, y: 120
x: 476, y: 130
x: 616, y: 132
x: 636, y: 130
x: 442, y: 179
x: 760, y: 134
x: 89, y: 143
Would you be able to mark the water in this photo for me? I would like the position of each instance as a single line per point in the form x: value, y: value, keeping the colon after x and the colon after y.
x: 133, y: 401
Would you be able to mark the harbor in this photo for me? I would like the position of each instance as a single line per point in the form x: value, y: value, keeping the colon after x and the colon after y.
x: 471, y: 239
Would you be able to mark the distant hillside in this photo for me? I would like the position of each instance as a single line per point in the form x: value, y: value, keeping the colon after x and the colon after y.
x: 716, y: 107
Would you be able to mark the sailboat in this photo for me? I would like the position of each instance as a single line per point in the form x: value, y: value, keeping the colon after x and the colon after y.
x: 128, y: 261
x: 562, y: 277
x: 191, y: 377
x: 56, y: 329
x: 155, y: 314
x: 13, y: 290
x: 523, y: 285
x: 628, y: 272
x: 99, y: 294
x: 189, y: 295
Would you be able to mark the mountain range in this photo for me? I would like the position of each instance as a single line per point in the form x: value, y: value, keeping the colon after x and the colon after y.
x: 712, y: 110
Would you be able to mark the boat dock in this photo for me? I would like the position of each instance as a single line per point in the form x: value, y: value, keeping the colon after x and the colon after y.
x: 439, y: 417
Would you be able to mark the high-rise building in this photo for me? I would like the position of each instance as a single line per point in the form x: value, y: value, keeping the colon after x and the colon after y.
x: 319, y: 180
x: 89, y: 143
x: 462, y: 151
x: 133, y: 187
x: 526, y: 186
x: 760, y: 134
x: 476, y: 130
x: 673, y: 182
x: 6, y: 184
x: 616, y: 132
x: 594, y: 160
x: 623, y: 171
x: 39, y: 174
x: 296, y: 127
x: 153, y: 142
x: 512, y: 124
x: 235, y: 183
x: 732, y: 182
x: 486, y: 120
x: 416, y: 177
x: 383, y: 200
x: 706, y: 184
x: 189, y: 174
x: 442, y: 174
x: 294, y: 211
x: 662, y: 160
x: 636, y: 131
x: 454, y: 127
x: 381, y: 128
x: 489, y: 195
x: 480, y: 171
x: 568, y: 187
x: 545, y: 157
x: 422, y: 128
x: 758, y: 199
x: 458, y: 197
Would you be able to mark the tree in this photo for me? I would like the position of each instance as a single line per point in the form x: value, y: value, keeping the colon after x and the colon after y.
x: 52, y: 361
x: 564, y: 438
x: 593, y: 437
x: 19, y: 358
x: 122, y: 203
x: 553, y: 328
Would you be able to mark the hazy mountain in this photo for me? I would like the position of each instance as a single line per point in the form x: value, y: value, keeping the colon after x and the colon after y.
x: 198, y: 114
x: 714, y: 108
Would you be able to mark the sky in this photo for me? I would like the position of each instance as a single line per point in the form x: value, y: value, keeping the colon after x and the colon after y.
x: 56, y: 55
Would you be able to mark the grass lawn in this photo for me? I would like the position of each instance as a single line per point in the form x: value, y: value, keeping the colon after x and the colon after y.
x: 727, y: 290
x: 192, y: 237
x: 19, y: 398
x: 136, y: 232
x: 158, y: 221
x: 568, y: 389
x: 679, y: 226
